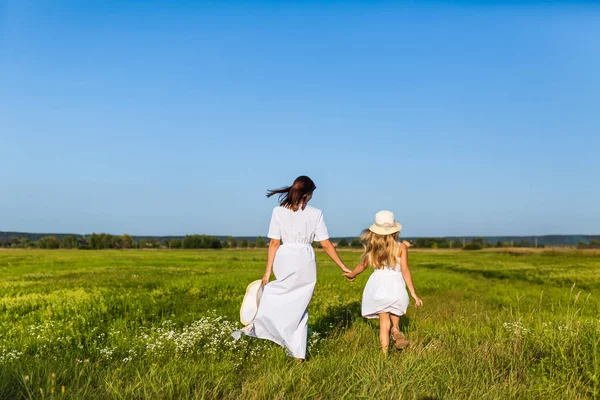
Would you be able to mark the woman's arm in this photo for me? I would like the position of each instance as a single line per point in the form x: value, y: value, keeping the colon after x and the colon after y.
x: 273, y: 246
x: 333, y: 254
x: 357, y: 270
x: 407, y: 275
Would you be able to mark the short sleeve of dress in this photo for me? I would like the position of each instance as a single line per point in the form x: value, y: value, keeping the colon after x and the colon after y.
x: 274, y: 228
x: 321, y: 231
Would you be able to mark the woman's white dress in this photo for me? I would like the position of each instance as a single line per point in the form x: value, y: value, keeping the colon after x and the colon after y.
x: 282, y: 315
x: 385, y: 292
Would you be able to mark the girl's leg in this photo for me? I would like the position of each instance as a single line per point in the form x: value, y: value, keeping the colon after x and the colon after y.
x: 399, y: 340
x: 395, y: 322
x: 384, y: 331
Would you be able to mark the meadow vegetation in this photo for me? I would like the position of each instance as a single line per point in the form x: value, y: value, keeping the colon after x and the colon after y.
x: 117, y: 324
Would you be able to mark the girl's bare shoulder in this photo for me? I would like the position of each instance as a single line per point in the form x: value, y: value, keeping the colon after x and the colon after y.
x: 403, y: 248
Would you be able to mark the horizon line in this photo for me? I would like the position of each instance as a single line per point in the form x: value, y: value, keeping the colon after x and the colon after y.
x: 264, y: 236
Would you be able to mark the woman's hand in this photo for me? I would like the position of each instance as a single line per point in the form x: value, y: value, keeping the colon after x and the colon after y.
x: 266, y: 278
x: 345, y: 270
x: 349, y: 275
x: 332, y: 253
x: 418, y: 301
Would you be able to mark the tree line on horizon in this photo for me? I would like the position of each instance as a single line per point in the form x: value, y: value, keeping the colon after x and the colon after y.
x: 99, y: 241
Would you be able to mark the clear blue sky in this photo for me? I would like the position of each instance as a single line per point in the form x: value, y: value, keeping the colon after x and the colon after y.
x: 174, y: 117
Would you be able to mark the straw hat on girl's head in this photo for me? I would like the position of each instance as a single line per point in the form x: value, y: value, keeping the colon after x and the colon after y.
x: 385, y: 223
x: 251, y: 301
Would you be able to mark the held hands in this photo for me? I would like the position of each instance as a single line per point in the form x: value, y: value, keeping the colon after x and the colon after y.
x: 349, y: 276
x: 347, y: 273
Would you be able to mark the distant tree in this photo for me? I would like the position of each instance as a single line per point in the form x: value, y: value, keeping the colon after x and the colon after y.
x: 505, y: 244
x: 214, y: 243
x: 355, y: 243
x: 154, y: 243
x: 83, y: 244
x: 201, y: 242
x: 424, y: 243
x: 143, y: 243
x: 116, y: 242
x: 243, y: 243
x: 48, y: 242
x: 593, y: 244
x: 94, y: 241
x: 252, y: 245
x: 478, y: 241
x: 342, y: 243
x: 498, y: 244
x: 456, y: 244
x: 99, y: 241
x: 443, y: 243
x: 192, y: 241
x: 317, y: 245
x: 260, y: 242
x: 434, y: 245
x: 224, y: 244
x: 15, y: 242
x: 24, y: 242
x: 107, y: 241
x: 475, y: 244
x: 127, y: 241
x: 68, y: 242
x: 166, y: 243
x: 232, y: 242
x: 176, y: 243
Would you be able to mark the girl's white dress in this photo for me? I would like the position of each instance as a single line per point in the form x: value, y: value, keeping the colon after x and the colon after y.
x: 282, y: 315
x: 385, y: 291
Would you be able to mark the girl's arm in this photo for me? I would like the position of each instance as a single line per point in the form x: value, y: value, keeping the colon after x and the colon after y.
x: 273, y: 246
x: 357, y: 270
x: 333, y: 254
x: 407, y: 275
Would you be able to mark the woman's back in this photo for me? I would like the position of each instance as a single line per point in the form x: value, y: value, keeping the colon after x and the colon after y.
x: 298, y: 227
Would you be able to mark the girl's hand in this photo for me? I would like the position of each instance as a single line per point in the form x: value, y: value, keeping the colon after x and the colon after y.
x: 418, y: 301
x: 349, y: 275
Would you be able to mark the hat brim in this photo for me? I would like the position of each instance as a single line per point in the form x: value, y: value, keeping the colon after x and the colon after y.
x: 380, y: 230
x: 251, y: 301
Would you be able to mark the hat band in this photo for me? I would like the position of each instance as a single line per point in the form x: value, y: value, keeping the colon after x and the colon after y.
x: 386, y: 224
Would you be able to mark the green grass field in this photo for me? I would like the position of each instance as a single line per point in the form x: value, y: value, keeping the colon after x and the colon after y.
x: 156, y: 324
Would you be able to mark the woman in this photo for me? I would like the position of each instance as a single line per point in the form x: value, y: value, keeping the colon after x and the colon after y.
x: 282, y: 315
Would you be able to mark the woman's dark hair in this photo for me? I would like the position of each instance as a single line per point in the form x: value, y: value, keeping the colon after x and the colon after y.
x: 292, y: 196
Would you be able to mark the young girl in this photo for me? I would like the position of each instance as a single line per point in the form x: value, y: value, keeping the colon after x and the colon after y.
x: 385, y: 294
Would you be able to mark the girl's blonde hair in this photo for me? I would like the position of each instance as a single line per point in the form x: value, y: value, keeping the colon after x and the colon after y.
x: 380, y: 250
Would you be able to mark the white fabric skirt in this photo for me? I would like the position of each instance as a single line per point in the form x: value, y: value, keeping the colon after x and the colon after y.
x: 282, y: 315
x: 385, y: 292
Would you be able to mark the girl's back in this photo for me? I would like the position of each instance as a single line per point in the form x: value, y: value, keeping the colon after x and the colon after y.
x: 385, y: 295
x: 385, y: 291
